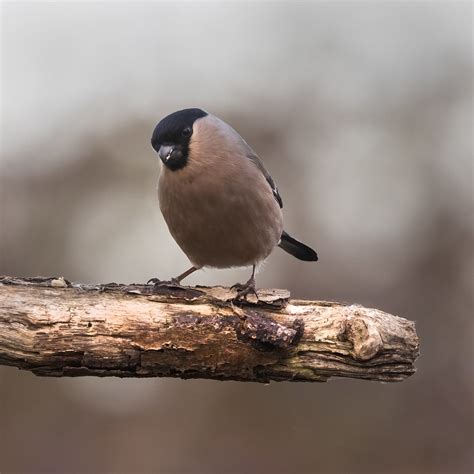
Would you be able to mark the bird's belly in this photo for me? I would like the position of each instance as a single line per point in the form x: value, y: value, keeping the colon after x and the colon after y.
x: 220, y: 228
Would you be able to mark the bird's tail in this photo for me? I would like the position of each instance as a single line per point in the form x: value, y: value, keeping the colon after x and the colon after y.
x: 297, y: 249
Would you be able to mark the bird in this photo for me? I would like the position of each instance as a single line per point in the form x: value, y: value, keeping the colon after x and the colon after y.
x: 217, y: 198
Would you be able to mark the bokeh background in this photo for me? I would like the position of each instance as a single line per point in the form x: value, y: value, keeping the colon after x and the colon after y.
x: 363, y: 114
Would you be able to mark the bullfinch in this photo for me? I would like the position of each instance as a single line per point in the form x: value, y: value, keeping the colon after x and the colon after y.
x: 219, y: 201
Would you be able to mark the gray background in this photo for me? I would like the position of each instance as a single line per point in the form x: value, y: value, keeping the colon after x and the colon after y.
x: 363, y: 114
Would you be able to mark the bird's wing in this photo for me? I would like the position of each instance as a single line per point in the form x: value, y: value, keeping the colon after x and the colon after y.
x: 258, y: 162
x: 247, y: 151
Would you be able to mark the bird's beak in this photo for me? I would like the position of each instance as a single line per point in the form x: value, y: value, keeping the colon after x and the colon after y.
x: 165, y: 152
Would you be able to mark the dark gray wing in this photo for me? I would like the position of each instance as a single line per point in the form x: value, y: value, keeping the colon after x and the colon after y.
x: 252, y: 156
x: 258, y: 162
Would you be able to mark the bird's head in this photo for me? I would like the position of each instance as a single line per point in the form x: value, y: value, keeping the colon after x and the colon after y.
x: 172, y: 136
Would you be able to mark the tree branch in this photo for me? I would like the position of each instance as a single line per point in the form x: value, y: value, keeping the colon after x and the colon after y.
x: 52, y: 327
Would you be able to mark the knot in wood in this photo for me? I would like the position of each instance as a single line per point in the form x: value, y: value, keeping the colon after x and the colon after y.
x: 364, y: 336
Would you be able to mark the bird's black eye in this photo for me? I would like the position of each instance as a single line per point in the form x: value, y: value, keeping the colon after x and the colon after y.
x: 186, y: 132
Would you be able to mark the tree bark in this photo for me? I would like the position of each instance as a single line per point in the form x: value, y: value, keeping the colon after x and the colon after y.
x: 54, y: 328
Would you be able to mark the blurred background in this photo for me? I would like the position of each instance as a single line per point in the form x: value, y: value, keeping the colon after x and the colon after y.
x: 363, y: 114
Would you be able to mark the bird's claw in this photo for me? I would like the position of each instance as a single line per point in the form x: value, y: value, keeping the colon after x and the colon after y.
x: 244, y: 289
x: 153, y: 281
x: 156, y: 282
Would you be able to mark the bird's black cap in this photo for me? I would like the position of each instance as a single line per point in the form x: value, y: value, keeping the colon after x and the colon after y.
x: 170, y: 129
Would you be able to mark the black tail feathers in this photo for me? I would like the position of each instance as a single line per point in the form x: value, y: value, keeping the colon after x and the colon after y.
x: 297, y: 249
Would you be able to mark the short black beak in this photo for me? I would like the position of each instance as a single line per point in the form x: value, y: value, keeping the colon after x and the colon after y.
x: 165, y: 152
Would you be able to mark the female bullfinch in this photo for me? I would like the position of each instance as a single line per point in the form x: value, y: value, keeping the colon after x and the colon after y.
x: 219, y: 201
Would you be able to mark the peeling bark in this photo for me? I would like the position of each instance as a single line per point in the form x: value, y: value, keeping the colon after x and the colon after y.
x: 54, y: 328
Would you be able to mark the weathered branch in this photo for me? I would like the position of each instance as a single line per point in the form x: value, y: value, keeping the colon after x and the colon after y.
x: 55, y: 328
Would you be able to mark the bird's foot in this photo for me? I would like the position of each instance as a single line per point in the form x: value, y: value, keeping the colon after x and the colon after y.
x: 245, y: 289
x: 238, y: 286
x: 156, y: 282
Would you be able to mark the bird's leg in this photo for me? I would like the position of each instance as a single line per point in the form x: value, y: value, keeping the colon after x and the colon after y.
x: 246, y: 288
x: 173, y: 281
x: 184, y: 274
